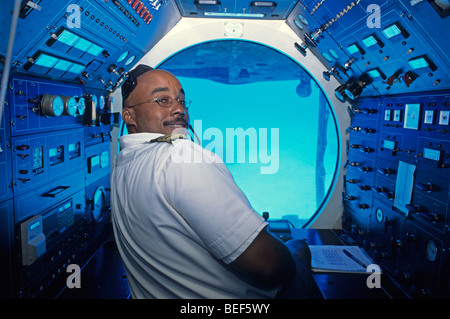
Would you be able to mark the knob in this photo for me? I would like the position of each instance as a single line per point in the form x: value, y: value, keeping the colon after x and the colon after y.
x: 365, y: 169
x: 428, y: 187
x: 386, y: 171
x: 368, y: 130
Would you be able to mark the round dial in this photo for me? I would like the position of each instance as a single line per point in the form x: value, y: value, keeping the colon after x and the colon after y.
x: 431, y: 251
x: 122, y: 57
x: 379, y: 215
x: 52, y: 105
x: 130, y: 60
x: 234, y: 29
x: 98, y: 204
x: 81, y: 105
x: 94, y: 101
x: 101, y: 103
x: 70, y: 105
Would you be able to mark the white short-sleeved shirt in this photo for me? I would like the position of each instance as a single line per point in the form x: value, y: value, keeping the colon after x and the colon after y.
x: 178, y: 219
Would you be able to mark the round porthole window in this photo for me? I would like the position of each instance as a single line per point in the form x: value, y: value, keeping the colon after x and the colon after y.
x: 267, y: 118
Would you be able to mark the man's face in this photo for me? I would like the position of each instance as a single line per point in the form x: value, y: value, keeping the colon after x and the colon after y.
x: 150, y: 117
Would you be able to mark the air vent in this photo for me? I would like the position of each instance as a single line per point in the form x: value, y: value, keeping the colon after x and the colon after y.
x: 208, y: 5
x: 264, y: 7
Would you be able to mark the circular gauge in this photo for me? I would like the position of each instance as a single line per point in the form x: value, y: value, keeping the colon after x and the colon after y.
x: 52, y: 105
x: 81, y: 105
x: 122, y: 57
x: 101, y: 103
x: 327, y: 56
x: 70, y: 105
x: 431, y: 251
x: 298, y: 24
x: 94, y: 101
x: 333, y: 54
x: 379, y: 215
x: 98, y: 204
x: 104, y: 159
x: 130, y: 60
x: 303, y: 19
x: 234, y: 29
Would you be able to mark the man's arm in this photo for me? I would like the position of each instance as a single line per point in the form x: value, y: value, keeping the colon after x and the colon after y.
x: 267, y: 261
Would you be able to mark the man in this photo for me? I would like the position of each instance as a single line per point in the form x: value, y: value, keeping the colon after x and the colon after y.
x: 183, y: 228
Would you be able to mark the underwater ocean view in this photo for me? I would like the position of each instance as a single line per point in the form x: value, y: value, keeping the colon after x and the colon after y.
x: 281, y: 148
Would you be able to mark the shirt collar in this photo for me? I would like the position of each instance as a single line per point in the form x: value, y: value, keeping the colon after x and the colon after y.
x: 137, y: 138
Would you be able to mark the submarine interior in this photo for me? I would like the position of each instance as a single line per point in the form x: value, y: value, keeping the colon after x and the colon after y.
x: 332, y: 116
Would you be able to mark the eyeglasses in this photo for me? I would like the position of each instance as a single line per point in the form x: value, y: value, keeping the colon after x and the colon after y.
x: 167, y: 101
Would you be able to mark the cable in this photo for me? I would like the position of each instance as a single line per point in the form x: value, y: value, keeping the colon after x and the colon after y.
x: 192, y: 129
x: 317, y: 6
x: 5, y: 76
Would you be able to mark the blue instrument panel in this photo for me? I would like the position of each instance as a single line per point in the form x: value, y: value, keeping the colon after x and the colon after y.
x: 91, y: 43
x: 382, y: 47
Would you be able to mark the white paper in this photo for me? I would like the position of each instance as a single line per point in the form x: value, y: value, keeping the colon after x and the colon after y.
x: 404, y: 185
x: 331, y: 258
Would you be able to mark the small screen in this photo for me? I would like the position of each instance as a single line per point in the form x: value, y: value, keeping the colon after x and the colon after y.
x: 418, y: 63
x: 390, y: 145
x: 352, y: 49
x: 63, y: 65
x: 392, y: 31
x: 76, y: 68
x: 38, y: 162
x: 95, y: 50
x: 374, y: 73
x: 83, y: 45
x: 431, y: 154
x: 46, y: 61
x: 369, y: 41
x: 68, y: 38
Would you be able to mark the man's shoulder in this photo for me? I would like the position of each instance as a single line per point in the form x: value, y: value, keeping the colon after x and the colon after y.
x: 187, y: 152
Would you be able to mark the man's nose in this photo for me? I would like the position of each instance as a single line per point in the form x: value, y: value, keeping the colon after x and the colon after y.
x: 177, y: 108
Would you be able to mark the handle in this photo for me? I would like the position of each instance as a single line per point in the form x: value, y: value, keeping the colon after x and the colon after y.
x: 55, y: 191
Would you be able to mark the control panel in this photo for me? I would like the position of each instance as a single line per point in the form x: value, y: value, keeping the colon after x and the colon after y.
x: 397, y: 188
x: 377, y: 47
x: 55, y: 140
x: 87, y: 42
x: 55, y: 130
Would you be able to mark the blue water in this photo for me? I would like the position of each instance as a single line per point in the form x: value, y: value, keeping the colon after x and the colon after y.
x: 291, y: 122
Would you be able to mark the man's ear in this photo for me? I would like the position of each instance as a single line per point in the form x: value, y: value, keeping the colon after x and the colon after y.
x: 128, y: 116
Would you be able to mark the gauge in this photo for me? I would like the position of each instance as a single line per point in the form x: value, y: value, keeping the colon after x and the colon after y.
x: 81, y: 105
x: 298, y: 24
x: 379, y: 215
x: 52, y: 105
x: 303, y: 19
x: 70, y: 105
x: 101, y: 103
x: 130, y: 60
x: 98, y: 204
x: 431, y: 251
x: 333, y: 54
x: 234, y: 29
x: 94, y: 101
x: 94, y: 110
x: 122, y: 57
x: 327, y: 56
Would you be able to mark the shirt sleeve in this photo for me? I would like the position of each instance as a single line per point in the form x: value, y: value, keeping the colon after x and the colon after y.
x: 206, y: 195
